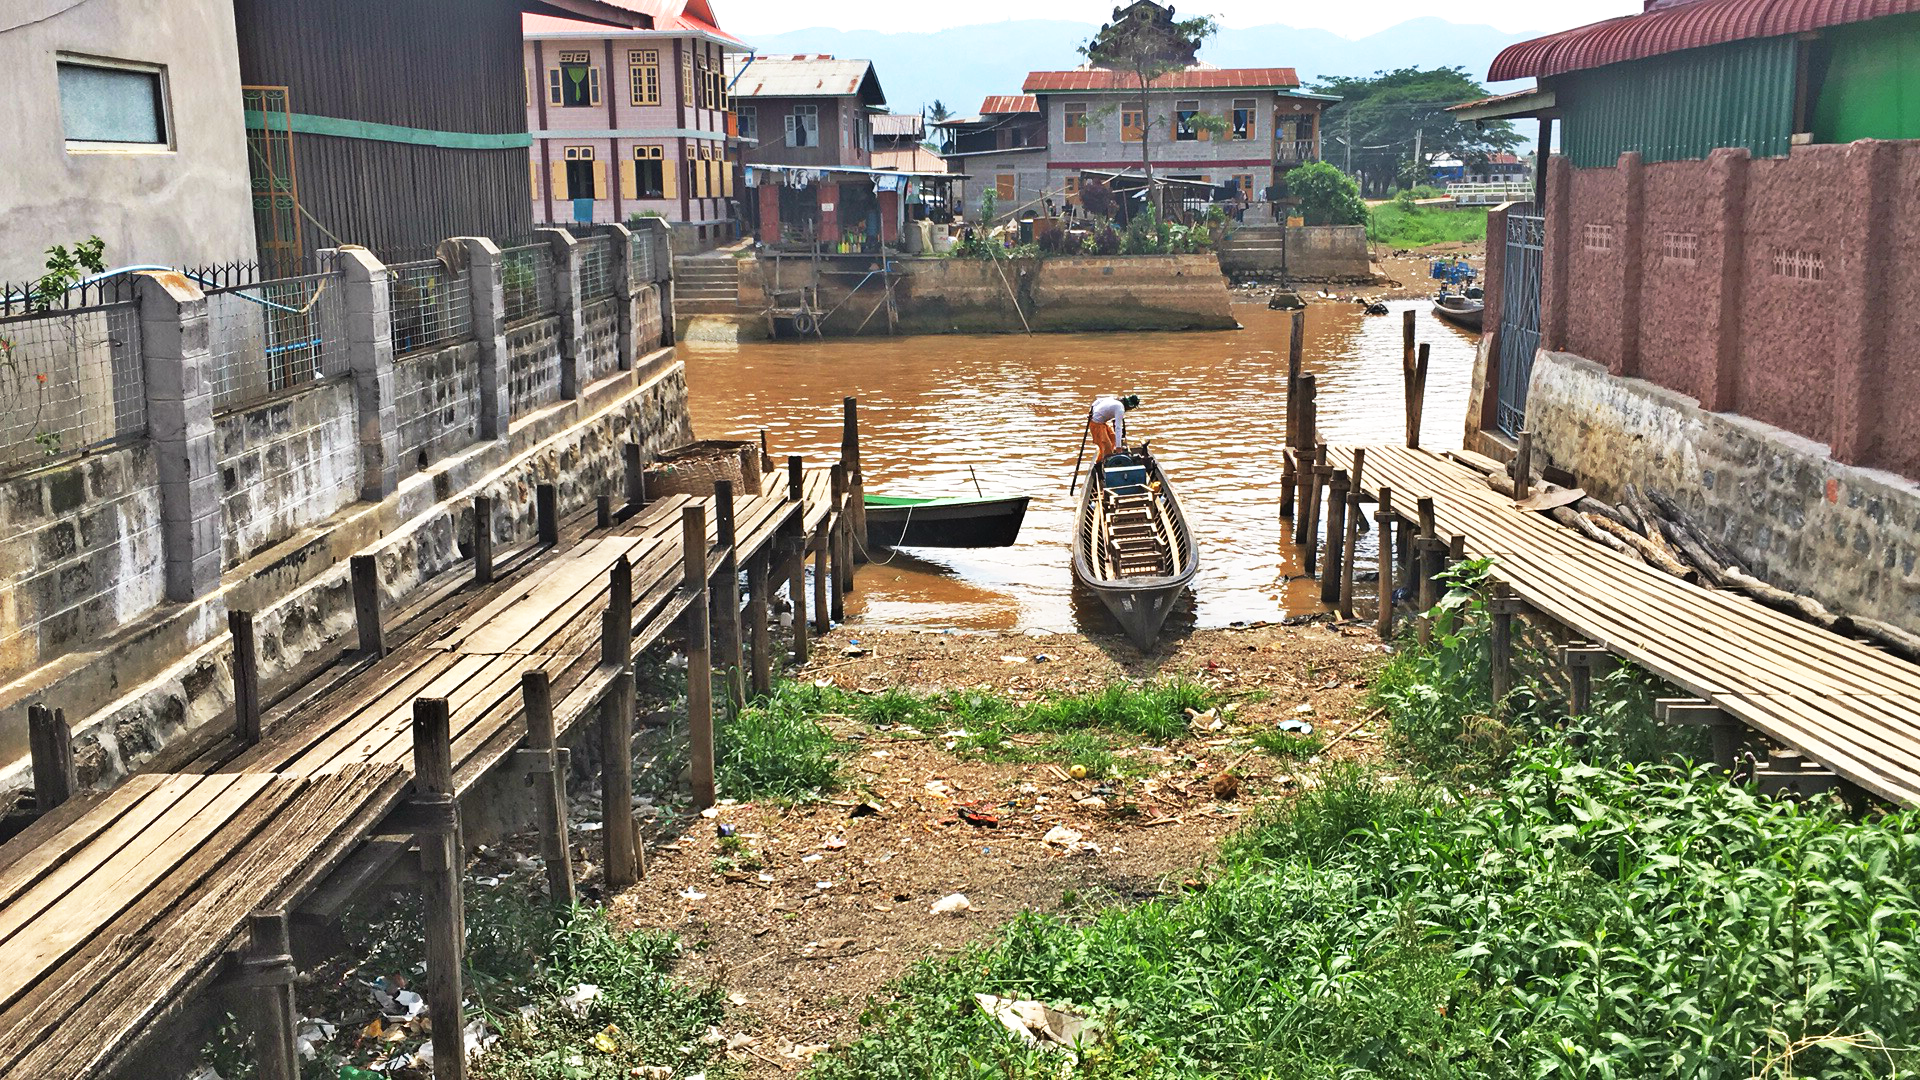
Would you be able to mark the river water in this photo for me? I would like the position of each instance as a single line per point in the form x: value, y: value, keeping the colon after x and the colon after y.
x: 939, y: 413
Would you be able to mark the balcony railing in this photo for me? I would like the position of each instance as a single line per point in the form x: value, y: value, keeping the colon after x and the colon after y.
x: 1294, y: 152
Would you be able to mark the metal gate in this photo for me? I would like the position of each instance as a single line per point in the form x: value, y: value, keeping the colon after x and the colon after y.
x: 276, y: 192
x: 1519, y: 316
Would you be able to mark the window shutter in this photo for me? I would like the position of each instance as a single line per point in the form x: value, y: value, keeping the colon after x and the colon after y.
x: 593, y: 85
x: 599, y: 179
x: 726, y: 180
x: 558, y: 178
x: 629, y: 181
x: 669, y: 179
x: 533, y: 174
x: 791, y: 127
x: 553, y: 86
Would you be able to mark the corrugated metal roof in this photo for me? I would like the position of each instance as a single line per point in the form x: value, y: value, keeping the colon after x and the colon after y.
x: 898, y: 125
x: 1674, y: 25
x: 1194, y: 78
x: 549, y: 26
x: 1001, y: 104
x: 803, y: 76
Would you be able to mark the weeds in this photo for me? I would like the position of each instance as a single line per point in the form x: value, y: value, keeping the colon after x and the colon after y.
x: 1289, y: 747
x: 775, y: 749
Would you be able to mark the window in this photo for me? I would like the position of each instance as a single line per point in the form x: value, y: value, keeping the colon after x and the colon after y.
x: 575, y: 84
x: 1244, y: 183
x: 1076, y: 121
x: 1003, y: 187
x: 643, y: 71
x: 749, y: 122
x: 1183, y: 113
x: 1133, y: 125
x: 1244, y: 125
x: 650, y: 172
x: 686, y: 77
x: 579, y: 161
x: 803, y: 126
x: 113, y: 105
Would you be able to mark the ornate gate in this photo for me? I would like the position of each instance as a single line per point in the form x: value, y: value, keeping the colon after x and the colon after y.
x: 1519, y: 316
x: 276, y: 191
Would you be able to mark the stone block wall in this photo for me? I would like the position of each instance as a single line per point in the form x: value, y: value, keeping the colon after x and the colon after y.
x: 1329, y: 251
x: 1845, y: 535
x: 533, y: 364
x: 600, y: 356
x: 437, y: 402
x: 285, y: 465
x: 80, y: 553
x: 648, y: 313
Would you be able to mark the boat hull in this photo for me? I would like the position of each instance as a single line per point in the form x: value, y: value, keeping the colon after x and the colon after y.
x: 1140, y: 603
x: 944, y: 523
x: 1467, y: 317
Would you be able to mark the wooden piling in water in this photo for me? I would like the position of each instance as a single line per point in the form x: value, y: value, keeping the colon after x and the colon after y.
x: 440, y: 866
x: 1355, y: 523
x: 1304, y: 439
x: 759, y: 614
x: 1316, y: 476
x: 1289, y: 477
x: 837, y: 542
x: 693, y: 539
x: 246, y: 677
x: 728, y: 636
x: 1338, y: 486
x: 1384, y: 518
x: 1427, y: 550
x: 50, y: 745
x: 856, y: 477
x: 365, y: 571
x: 1417, y: 395
x: 794, y: 557
x: 549, y: 787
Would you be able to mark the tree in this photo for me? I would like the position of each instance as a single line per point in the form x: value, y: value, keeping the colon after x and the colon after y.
x: 1327, y: 195
x: 1379, y: 121
x: 937, y: 112
x: 1146, y: 41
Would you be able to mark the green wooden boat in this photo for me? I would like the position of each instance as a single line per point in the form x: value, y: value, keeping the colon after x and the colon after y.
x: 944, y: 522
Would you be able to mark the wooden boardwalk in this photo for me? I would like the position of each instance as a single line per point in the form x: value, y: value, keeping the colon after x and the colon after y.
x: 1843, y: 703
x: 116, y: 908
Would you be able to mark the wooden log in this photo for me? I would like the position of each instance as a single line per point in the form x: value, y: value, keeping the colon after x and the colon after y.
x: 822, y: 580
x: 1426, y: 557
x: 1523, y: 467
x: 50, y: 744
x: 549, y: 787
x: 794, y: 558
x: 636, y: 475
x: 1384, y: 517
x: 1289, y: 478
x: 616, y: 624
x: 1652, y: 553
x: 1649, y: 516
x: 1670, y: 511
x: 440, y: 866
x: 1501, y: 608
x: 693, y: 539
x: 766, y: 459
x: 266, y: 971
x: 1580, y: 659
x: 1303, y: 455
x: 1316, y: 480
x: 621, y: 853
x: 837, y: 535
x: 603, y: 512
x: 365, y: 571
x: 1338, y: 488
x: 483, y: 539
x: 796, y: 478
x: 1800, y: 607
x: 856, y: 474
x: 246, y: 677
x: 728, y: 636
x: 759, y: 616
x: 1417, y: 396
x: 1584, y: 525
x: 546, y: 513
x: 1892, y: 638
x: 1350, y: 540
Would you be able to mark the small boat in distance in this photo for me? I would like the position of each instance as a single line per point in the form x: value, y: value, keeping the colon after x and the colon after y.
x: 1462, y: 311
x: 1132, y: 547
x: 944, y: 522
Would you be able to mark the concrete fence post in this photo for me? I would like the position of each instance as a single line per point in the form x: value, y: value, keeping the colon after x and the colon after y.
x: 1631, y: 242
x: 179, y: 370
x: 663, y: 278
x: 620, y: 265
x: 1867, y: 302
x: 370, y: 357
x: 490, y: 335
x: 566, y: 307
x: 1727, y: 166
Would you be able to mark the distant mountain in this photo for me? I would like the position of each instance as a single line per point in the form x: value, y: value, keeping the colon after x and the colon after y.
x: 961, y: 65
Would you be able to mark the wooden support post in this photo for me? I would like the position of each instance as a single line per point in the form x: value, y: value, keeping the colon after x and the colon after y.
x: 483, y: 539
x: 616, y: 626
x: 603, y: 512
x: 1289, y: 477
x: 440, y: 866
x: 1426, y: 554
x: 1338, y: 485
x: 842, y: 571
x: 1523, y: 467
x: 796, y: 478
x: 635, y: 475
x: 246, y: 677
x: 1303, y: 454
x: 1580, y: 659
x: 1502, y: 607
x: 1417, y: 395
x: 1724, y: 729
x: 822, y: 615
x: 1456, y: 550
x: 1356, y: 522
x: 616, y: 730
x: 266, y: 971
x: 549, y: 787
x: 1384, y: 517
x: 726, y: 601
x: 50, y: 742
x: 856, y: 476
x: 693, y: 540
x: 794, y: 554
x: 546, y: 513
x: 759, y: 611
x: 366, y: 604
x: 1316, y: 477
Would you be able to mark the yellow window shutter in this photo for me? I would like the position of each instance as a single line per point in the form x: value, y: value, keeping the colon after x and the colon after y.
x: 669, y: 179
x: 629, y: 184
x: 599, y: 179
x: 726, y: 180
x: 558, y: 180
x: 533, y: 174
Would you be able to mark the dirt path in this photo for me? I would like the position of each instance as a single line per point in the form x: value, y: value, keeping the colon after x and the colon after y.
x: 812, y: 908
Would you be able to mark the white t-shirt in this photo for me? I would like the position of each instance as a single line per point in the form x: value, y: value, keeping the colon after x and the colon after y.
x: 1110, y: 410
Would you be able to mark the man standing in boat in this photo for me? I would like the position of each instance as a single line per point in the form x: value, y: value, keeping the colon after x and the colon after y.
x: 1107, y: 422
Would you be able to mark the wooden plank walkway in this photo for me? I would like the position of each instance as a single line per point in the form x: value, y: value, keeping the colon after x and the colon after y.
x: 1845, y: 704
x: 116, y: 907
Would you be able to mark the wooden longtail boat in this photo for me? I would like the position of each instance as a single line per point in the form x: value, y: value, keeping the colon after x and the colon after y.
x: 1132, y: 547
x: 1460, y: 310
x: 897, y: 521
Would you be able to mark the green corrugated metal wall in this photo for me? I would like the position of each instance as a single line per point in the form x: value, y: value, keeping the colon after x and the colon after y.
x: 1870, y: 81
x: 1681, y: 106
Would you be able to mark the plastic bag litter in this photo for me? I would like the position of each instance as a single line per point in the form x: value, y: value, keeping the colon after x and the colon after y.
x: 1037, y: 1023
x: 579, y: 1000
x: 954, y: 904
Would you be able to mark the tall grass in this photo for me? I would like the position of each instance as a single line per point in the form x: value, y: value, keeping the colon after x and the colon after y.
x: 1395, y: 225
x: 777, y: 749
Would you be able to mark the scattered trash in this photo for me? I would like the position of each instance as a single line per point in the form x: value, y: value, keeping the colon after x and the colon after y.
x: 1305, y: 708
x: 1295, y: 727
x: 823, y: 884
x: 723, y: 830
x: 1225, y: 786
x: 816, y: 857
x: 692, y: 894
x: 1013, y: 659
x: 977, y: 818
x: 831, y: 947
x: 1062, y: 836
x: 589, y: 826
x: 853, y: 650
x: 807, y: 1052
x: 309, y: 1034
x: 607, y: 1039
x: 1038, y: 1024
x: 1044, y: 658
x: 478, y: 1038
x: 938, y: 787
x: 953, y: 904
x: 1078, y: 772
x: 865, y: 809
x: 736, y: 998
x: 739, y: 1040
x: 710, y: 813
x: 834, y: 843
x: 1205, y: 721
x: 824, y: 682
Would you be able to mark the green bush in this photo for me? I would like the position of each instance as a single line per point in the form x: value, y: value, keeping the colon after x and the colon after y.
x: 1327, y: 196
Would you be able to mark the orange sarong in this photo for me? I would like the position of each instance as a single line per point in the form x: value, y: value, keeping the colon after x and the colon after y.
x: 1102, y: 433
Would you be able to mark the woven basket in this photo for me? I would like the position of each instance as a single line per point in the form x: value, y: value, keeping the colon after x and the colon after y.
x: 692, y: 469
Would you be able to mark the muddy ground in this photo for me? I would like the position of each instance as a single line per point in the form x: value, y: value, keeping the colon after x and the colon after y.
x: 814, y: 907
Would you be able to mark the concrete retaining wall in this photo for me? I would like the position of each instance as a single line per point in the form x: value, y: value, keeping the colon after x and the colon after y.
x: 533, y: 364
x: 1333, y: 252
x: 437, y: 401
x: 285, y: 465
x: 1843, y: 534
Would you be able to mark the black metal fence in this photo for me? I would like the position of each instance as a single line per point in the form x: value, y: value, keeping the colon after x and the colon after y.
x: 526, y: 277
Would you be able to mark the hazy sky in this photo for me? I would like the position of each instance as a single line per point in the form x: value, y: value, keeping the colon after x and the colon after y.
x: 1352, y: 19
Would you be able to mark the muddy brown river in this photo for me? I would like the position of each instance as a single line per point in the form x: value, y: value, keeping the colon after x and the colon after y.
x: 940, y: 413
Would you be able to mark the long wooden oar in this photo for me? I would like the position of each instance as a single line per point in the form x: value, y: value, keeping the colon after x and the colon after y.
x: 1084, y: 432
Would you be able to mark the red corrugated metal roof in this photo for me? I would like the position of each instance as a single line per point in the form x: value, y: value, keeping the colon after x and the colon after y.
x: 1681, y: 24
x: 1009, y: 103
x: 665, y: 16
x: 1190, y: 79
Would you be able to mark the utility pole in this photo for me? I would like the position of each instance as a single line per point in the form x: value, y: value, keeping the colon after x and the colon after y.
x: 1419, y: 162
x: 1349, y: 141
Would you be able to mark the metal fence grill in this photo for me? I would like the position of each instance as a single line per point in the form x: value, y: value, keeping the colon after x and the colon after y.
x: 526, y: 277
x: 596, y: 269
x: 69, y: 380
x: 275, y: 336
x: 642, y: 254
x: 428, y: 306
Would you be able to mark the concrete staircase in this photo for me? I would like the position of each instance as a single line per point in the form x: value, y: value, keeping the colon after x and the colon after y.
x: 705, y: 285
x: 1253, y: 249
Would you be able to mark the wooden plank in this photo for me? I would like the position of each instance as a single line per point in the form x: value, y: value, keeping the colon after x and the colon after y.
x: 30, y: 855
